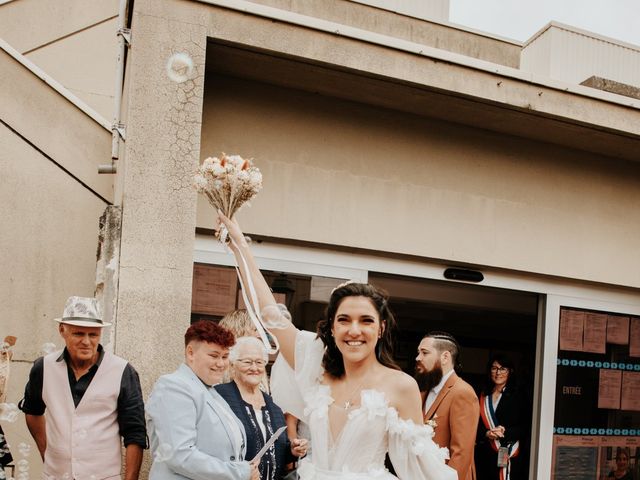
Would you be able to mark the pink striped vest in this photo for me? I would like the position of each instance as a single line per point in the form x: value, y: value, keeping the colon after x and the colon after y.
x: 83, y: 443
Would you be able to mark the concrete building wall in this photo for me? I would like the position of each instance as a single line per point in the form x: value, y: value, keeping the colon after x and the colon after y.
x: 426, y: 9
x: 426, y: 31
x: 52, y: 198
x: 31, y: 24
x: 573, y: 55
x: 47, y: 252
x: 85, y: 63
x: 72, y: 40
x: 54, y: 124
x: 158, y: 202
x: 48, y: 244
x: 342, y: 173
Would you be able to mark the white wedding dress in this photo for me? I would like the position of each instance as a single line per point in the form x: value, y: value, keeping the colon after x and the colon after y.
x: 371, y: 430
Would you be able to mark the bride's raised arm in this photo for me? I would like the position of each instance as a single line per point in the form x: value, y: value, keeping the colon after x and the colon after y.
x: 286, y: 334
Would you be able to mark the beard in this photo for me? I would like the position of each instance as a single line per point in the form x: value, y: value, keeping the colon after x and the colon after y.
x: 428, y: 380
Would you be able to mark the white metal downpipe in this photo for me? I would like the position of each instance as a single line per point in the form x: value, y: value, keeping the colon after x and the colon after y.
x: 117, y: 128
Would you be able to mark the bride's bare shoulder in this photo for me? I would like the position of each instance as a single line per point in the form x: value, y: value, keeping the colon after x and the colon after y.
x: 404, y: 395
x: 400, y: 382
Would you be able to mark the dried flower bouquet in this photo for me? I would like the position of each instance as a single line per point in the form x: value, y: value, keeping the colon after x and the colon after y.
x: 228, y: 183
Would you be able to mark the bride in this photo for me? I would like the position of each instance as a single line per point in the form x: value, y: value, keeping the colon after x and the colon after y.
x: 356, y: 401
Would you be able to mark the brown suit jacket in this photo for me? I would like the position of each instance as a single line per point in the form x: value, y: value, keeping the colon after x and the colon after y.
x: 456, y: 411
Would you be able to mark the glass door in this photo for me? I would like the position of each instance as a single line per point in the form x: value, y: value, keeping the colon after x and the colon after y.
x: 590, y: 404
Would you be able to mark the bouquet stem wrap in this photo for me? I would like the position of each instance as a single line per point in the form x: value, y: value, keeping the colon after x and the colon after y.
x: 253, y: 306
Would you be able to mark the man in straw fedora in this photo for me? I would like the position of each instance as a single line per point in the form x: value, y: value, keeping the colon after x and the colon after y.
x: 92, y: 398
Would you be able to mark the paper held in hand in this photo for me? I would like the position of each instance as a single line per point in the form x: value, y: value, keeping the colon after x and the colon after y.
x: 267, y: 445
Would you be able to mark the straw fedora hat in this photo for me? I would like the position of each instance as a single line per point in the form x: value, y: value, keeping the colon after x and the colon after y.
x: 82, y: 312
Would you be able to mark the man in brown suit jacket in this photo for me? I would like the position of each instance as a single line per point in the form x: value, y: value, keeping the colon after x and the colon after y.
x: 450, y: 404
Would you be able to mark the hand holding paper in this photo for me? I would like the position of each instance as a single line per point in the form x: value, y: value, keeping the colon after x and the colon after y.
x: 267, y: 445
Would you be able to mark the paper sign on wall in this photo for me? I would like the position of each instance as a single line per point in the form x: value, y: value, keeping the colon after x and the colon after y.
x: 609, y: 389
x: 571, y: 330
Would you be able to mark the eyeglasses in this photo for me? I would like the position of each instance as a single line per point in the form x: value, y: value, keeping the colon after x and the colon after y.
x: 247, y: 362
x: 499, y: 369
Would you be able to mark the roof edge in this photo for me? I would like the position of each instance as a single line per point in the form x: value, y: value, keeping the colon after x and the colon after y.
x: 347, y: 31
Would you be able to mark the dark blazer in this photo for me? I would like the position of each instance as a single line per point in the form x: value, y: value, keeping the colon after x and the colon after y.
x: 273, y: 415
x: 511, y: 415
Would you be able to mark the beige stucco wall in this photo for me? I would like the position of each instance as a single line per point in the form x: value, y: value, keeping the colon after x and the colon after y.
x: 48, y: 242
x: 54, y: 124
x: 74, y: 41
x: 342, y: 173
x: 158, y: 203
x: 428, y: 9
x: 47, y: 253
x: 85, y: 63
x: 52, y: 198
x: 30, y: 24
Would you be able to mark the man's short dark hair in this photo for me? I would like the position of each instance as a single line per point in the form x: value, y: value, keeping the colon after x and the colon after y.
x: 444, y: 342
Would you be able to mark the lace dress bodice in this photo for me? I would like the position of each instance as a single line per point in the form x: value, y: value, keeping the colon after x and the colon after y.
x: 370, y: 431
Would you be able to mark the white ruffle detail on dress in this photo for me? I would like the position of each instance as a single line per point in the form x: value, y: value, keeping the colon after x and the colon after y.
x: 371, y: 430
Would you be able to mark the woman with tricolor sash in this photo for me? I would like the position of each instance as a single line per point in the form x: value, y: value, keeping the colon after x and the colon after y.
x: 501, y: 424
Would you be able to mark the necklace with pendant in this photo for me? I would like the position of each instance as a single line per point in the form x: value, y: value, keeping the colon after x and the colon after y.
x: 347, y: 403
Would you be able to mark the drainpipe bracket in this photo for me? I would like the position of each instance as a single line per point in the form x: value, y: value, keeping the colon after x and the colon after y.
x: 126, y: 34
x: 120, y: 129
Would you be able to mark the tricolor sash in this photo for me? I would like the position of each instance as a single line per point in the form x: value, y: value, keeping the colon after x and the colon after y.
x: 490, y: 421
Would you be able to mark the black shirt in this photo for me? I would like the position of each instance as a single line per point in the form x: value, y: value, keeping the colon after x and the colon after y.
x: 130, y: 404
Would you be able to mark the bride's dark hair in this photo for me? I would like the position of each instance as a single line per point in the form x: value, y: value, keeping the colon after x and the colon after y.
x: 332, y: 361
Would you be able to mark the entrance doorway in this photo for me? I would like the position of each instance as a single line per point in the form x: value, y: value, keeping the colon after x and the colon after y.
x: 485, y: 321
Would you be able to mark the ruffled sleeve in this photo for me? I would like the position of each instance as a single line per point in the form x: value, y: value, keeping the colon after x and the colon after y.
x: 413, y: 452
x: 287, y: 385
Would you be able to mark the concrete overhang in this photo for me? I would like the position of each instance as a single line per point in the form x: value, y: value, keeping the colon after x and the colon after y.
x: 288, y: 49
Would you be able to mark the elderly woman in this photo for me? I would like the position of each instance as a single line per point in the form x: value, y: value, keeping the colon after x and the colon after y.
x: 255, y: 408
x: 241, y: 325
x: 193, y: 432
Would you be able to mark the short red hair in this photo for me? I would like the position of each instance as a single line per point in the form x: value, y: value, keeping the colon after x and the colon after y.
x: 210, y: 332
